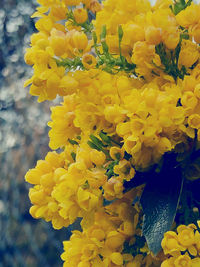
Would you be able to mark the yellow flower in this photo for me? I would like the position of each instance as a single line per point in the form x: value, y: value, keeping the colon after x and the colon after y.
x: 72, y: 2
x: 116, y: 152
x: 189, y: 100
x: 96, y: 232
x: 143, y: 55
x: 128, y: 227
x: 62, y: 126
x: 197, y: 91
x: 58, y: 42
x: 170, y: 243
x: 117, y: 258
x: 189, y: 53
x: 194, y: 121
x: 195, y: 32
x: 46, y: 79
x: 123, y: 85
x: 171, y: 39
x: 189, y: 16
x: 183, y: 260
x: 89, y: 61
x: 95, y: 6
x: 136, y: 262
x: 58, y: 11
x: 114, y: 113
x: 86, y: 200
x: 132, y: 34
x: 44, y: 24
x: 185, y: 235
x: 52, y: 160
x: 196, y: 262
x: 97, y: 157
x: 68, y: 85
x: 114, y: 240
x: 96, y: 177
x: 80, y: 15
x: 168, y: 262
x: 113, y: 188
x: 153, y: 35
x: 89, y: 251
x: 124, y: 170
x: 78, y: 40
x: 43, y: 177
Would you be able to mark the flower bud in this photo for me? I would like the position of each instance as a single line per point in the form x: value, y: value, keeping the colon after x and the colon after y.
x: 89, y: 61
x: 153, y: 35
x: 80, y: 15
x: 79, y: 40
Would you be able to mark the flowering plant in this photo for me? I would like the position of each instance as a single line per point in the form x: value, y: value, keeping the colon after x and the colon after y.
x: 126, y: 136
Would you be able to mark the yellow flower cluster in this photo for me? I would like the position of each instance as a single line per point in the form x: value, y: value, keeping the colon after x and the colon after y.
x: 101, y: 245
x: 189, y: 18
x: 145, y: 27
x: 57, y: 196
x: 130, y: 87
x: 62, y: 126
x: 182, y: 246
x: 43, y: 177
x: 56, y: 40
x: 69, y: 185
x: 144, y: 115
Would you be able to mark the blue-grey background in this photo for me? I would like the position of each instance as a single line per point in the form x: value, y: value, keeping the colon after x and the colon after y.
x: 24, y: 241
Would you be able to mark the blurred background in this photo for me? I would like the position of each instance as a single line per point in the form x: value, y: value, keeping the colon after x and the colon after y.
x: 24, y: 241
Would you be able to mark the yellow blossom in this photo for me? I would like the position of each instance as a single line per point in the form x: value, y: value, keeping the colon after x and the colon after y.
x: 58, y: 42
x: 117, y: 258
x: 80, y: 15
x: 62, y: 123
x: 153, y: 35
x: 89, y: 61
x: 183, y: 260
x: 116, y: 153
x: 189, y: 53
x: 170, y: 243
x: 197, y: 91
x: 79, y: 40
x: 185, y: 236
x: 189, y: 16
x: 194, y: 121
x: 124, y: 170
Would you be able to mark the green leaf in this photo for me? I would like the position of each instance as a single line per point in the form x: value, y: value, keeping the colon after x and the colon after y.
x: 103, y: 32
x: 92, y: 145
x: 105, y: 137
x: 105, y: 47
x: 73, y: 156
x: 94, y: 37
x: 120, y: 33
x: 72, y: 142
x: 180, y: 5
x: 97, y: 141
x: 159, y: 201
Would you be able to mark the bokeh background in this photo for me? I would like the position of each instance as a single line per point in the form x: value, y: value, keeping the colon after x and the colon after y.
x: 24, y: 241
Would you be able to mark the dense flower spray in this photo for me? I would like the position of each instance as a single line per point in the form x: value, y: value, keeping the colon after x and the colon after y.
x: 126, y: 135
